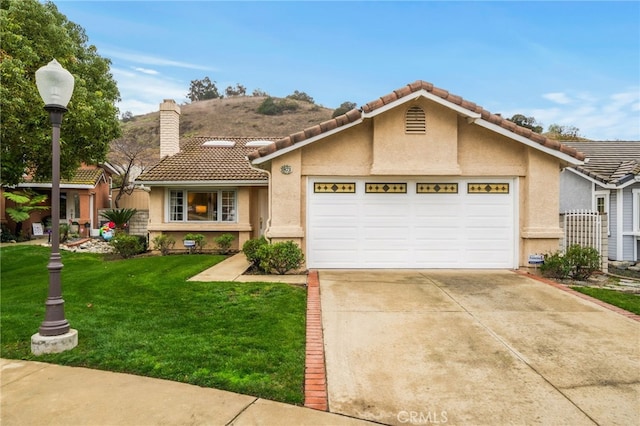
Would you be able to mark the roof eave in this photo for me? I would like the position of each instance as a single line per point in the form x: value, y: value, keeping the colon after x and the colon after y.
x: 62, y: 185
x: 592, y: 179
x: 298, y: 145
x: 179, y: 183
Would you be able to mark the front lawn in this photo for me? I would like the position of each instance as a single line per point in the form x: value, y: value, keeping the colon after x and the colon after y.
x: 141, y: 316
x: 627, y: 301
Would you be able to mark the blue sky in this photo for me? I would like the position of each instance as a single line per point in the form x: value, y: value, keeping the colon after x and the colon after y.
x: 569, y: 63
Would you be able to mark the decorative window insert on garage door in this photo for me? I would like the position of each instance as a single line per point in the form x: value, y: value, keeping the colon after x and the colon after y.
x: 414, y: 223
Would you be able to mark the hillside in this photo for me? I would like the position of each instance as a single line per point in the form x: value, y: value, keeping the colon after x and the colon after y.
x: 228, y: 117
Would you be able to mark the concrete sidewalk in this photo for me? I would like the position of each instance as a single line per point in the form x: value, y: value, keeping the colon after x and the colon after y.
x: 35, y: 393
x: 233, y: 268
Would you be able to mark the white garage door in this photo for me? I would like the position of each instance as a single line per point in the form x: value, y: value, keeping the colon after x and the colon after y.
x: 411, y: 223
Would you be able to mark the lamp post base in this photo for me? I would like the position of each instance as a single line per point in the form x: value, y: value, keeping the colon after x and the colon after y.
x: 54, y: 344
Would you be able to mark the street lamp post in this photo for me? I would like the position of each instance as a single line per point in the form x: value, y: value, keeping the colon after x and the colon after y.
x: 55, y: 85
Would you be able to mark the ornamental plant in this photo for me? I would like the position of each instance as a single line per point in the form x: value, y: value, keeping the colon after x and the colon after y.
x: 280, y: 257
x: 199, y: 240
x: 251, y: 249
x: 164, y: 243
x: 224, y: 242
x: 120, y: 217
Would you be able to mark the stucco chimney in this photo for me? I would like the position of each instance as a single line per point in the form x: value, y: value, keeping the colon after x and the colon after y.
x: 169, y: 128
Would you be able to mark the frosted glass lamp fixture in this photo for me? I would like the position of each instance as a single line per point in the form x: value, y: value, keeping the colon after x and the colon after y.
x: 55, y: 84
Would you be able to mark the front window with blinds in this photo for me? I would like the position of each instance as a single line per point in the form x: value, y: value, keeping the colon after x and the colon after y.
x: 415, y: 122
x: 202, y: 206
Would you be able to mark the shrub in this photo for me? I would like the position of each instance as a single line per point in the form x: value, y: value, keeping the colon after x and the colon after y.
x: 577, y: 262
x: 250, y: 249
x: 164, y: 243
x: 584, y: 261
x: 272, y: 107
x: 224, y: 242
x: 281, y: 257
x: 199, y: 240
x: 555, y: 266
x: 126, y: 245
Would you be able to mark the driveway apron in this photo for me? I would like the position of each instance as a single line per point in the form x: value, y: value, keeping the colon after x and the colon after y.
x: 474, y: 347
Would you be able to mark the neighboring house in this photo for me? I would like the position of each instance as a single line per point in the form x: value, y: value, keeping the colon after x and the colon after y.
x: 205, y: 185
x: 418, y: 178
x: 608, y: 182
x: 80, y: 199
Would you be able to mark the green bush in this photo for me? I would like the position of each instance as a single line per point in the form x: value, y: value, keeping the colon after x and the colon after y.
x: 250, y: 249
x: 224, y: 242
x: 127, y: 245
x: 281, y: 257
x: 577, y: 262
x: 272, y: 107
x: 584, y: 261
x: 199, y: 240
x: 164, y: 243
x: 555, y: 266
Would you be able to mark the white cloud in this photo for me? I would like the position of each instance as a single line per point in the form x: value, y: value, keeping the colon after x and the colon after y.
x: 140, y: 58
x: 143, y: 93
x: 146, y: 71
x: 557, y: 97
x: 613, y: 116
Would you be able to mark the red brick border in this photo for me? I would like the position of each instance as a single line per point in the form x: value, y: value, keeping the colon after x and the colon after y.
x: 559, y: 286
x: 315, y: 377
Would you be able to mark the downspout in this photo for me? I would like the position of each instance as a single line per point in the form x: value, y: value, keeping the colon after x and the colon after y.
x: 269, y: 198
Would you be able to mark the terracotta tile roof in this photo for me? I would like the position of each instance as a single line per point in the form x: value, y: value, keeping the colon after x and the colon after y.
x: 407, y: 90
x: 199, y: 163
x: 609, y: 161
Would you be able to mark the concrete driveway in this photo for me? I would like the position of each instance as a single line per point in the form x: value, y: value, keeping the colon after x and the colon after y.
x: 475, y: 348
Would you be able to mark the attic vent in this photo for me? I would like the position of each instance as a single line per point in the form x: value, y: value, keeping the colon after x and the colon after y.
x: 415, y: 121
x: 228, y: 144
x: 258, y: 143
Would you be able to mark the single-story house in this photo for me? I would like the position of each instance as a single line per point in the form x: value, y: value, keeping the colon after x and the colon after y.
x: 609, y: 182
x: 418, y: 178
x: 205, y: 185
x: 80, y: 199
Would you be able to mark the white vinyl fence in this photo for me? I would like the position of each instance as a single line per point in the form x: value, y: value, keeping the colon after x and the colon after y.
x: 585, y: 228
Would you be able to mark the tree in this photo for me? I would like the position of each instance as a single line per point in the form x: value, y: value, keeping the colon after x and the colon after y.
x: 238, y: 90
x: 527, y: 122
x: 200, y: 90
x: 127, y: 116
x: 343, y: 108
x: 566, y: 133
x: 33, y: 34
x: 130, y: 156
x: 300, y: 96
x: 26, y: 201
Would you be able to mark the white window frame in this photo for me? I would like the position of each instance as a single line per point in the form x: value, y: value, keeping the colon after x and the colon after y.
x: 636, y: 211
x: 605, y: 196
x: 220, y: 193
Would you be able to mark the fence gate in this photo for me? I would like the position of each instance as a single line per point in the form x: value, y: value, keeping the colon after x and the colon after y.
x: 583, y: 227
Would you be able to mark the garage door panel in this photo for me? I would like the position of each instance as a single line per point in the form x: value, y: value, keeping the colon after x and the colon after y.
x: 411, y: 230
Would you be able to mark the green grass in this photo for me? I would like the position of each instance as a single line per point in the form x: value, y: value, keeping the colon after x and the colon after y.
x: 628, y: 302
x: 141, y: 316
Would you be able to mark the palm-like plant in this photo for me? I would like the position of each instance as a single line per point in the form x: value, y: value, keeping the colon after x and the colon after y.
x: 26, y: 202
x: 119, y: 216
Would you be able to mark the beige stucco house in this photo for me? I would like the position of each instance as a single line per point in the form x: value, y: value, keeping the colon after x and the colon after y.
x: 418, y: 178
